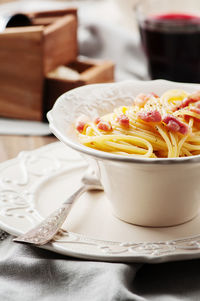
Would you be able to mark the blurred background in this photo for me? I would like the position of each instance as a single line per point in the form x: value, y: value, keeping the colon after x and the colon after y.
x: 73, y: 43
x: 106, y: 25
x: 106, y: 33
x: 114, y: 11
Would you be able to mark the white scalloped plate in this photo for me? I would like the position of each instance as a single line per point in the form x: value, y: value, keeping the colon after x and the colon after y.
x: 36, y: 182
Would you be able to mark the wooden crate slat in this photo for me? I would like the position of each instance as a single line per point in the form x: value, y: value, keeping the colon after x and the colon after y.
x: 21, y: 74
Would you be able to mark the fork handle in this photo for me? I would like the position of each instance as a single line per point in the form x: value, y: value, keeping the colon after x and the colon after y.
x: 67, y: 204
x: 46, y: 230
x: 70, y: 200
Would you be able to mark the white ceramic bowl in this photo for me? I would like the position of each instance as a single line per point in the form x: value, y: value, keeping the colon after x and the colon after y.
x: 147, y: 192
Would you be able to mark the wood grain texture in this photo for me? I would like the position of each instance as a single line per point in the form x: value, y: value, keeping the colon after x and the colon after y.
x: 60, y: 42
x: 100, y: 73
x: 90, y: 71
x: 21, y: 74
x: 10, y: 146
x: 44, y: 21
x: 53, y: 13
x: 27, y: 54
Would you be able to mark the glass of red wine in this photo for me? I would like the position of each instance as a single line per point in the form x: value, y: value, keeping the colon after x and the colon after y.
x: 170, y: 36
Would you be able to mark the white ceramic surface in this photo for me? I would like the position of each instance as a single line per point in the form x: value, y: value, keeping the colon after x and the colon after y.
x: 148, y: 192
x: 35, y: 183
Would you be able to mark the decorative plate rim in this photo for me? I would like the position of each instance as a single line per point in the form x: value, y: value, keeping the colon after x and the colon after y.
x: 82, y: 246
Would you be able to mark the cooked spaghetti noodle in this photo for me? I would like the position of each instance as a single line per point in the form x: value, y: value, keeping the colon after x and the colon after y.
x: 153, y: 127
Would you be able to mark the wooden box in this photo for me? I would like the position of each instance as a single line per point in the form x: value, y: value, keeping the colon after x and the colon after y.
x: 90, y: 71
x: 27, y: 54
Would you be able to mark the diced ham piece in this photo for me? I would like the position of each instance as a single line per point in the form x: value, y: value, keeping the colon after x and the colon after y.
x: 175, y: 125
x: 81, y: 122
x: 97, y: 120
x: 104, y: 126
x: 154, y: 95
x: 150, y: 116
x: 195, y: 95
x: 192, y: 98
x: 123, y: 120
x: 195, y: 110
x: 186, y: 103
x: 80, y: 126
x: 141, y: 99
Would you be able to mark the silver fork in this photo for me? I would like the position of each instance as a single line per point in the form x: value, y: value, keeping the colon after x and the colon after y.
x: 47, y: 229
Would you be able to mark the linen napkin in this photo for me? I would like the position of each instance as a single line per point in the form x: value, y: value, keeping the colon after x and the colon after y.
x: 29, y: 273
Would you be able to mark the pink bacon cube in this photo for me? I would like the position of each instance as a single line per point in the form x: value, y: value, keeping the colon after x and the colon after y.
x: 123, y: 120
x: 104, y: 126
x: 194, y: 97
x: 81, y: 122
x: 150, y: 116
x: 175, y: 125
x: 141, y: 99
x: 195, y: 110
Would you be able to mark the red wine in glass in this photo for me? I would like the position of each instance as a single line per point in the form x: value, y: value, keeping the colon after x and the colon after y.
x: 172, y: 45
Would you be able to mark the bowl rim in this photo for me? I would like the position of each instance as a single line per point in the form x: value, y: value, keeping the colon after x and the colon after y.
x: 100, y: 155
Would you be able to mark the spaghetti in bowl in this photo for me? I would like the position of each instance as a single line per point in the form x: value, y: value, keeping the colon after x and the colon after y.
x: 158, y: 185
x: 167, y: 126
